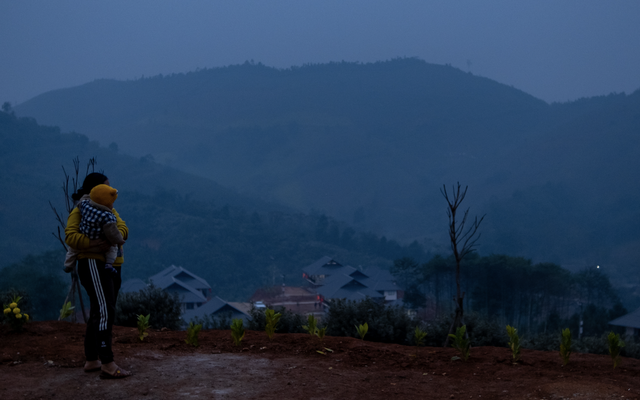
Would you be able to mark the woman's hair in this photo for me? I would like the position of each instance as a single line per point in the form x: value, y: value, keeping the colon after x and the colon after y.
x: 92, y: 180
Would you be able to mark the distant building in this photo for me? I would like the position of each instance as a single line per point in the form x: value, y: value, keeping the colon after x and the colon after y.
x: 215, y: 308
x: 630, y: 321
x: 328, y: 279
x: 325, y: 267
x: 193, y: 290
x: 300, y: 300
x: 333, y: 280
x: 341, y: 286
x: 194, y: 293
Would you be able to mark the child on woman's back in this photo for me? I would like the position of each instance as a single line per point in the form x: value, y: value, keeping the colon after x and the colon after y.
x: 98, y: 222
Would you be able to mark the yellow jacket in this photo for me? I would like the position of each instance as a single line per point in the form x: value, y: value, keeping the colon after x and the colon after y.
x: 74, y: 238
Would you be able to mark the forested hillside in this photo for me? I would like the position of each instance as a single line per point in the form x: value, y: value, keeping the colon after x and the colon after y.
x: 235, y: 242
x: 371, y: 144
x: 368, y: 143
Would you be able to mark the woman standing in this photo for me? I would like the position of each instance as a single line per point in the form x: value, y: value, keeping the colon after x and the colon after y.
x: 102, y: 285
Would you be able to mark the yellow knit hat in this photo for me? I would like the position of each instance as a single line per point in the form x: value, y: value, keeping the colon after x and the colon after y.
x: 104, y: 195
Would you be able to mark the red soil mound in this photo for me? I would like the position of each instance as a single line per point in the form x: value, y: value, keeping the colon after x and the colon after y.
x: 46, y: 361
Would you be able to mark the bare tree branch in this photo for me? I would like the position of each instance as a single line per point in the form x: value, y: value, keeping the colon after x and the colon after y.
x: 68, y: 190
x: 463, y: 241
x: 59, y: 237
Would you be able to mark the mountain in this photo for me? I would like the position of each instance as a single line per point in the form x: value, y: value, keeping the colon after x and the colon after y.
x: 368, y: 139
x: 234, y: 241
x: 372, y: 144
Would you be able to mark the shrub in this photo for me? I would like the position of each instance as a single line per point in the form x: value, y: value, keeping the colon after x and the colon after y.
x: 485, y: 331
x: 289, y: 321
x: 542, y: 341
x: 312, y: 325
x: 271, y: 322
x: 222, y: 321
x: 313, y: 328
x: 437, y: 331
x: 460, y: 342
x: 418, y: 336
x: 237, y: 331
x: 320, y: 332
x: 192, y: 334
x: 386, y: 324
x: 482, y: 330
x: 632, y: 348
x: 362, y: 330
x: 13, y: 315
x: 514, y: 342
x: 66, y: 311
x: 143, y: 326
x: 41, y: 283
x: 588, y: 344
x: 164, y: 308
x: 615, y: 347
x: 7, y: 297
x: 565, y: 346
x: 592, y: 344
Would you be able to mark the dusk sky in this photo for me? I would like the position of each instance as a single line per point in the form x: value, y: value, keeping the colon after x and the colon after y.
x: 554, y: 50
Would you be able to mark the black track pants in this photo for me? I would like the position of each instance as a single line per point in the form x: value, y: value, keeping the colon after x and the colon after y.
x: 102, y: 287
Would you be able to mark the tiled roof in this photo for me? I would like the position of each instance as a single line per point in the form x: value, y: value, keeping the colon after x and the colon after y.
x: 164, y: 278
x: 344, y: 286
x: 214, y: 306
x: 379, y: 274
x: 378, y: 279
x: 359, y: 274
x: 244, y: 307
x: 187, y: 293
x: 345, y: 281
x: 322, y: 266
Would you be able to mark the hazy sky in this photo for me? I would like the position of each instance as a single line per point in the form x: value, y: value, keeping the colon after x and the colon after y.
x: 555, y: 50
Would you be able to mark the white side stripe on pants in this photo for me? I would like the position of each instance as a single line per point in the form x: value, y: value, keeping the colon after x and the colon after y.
x: 102, y: 302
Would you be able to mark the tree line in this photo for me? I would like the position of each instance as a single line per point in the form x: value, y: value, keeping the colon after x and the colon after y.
x: 536, y: 298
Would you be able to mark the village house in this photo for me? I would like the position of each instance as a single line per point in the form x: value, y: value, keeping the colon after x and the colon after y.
x: 333, y: 280
x: 193, y: 290
x: 194, y: 293
x: 630, y: 321
x: 218, y: 308
x: 300, y: 300
x: 328, y: 279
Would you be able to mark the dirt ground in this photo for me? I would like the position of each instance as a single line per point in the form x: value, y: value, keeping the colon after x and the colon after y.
x: 46, y: 361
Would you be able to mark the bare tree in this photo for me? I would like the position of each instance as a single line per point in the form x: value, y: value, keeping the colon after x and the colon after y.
x: 463, y: 241
x: 68, y: 188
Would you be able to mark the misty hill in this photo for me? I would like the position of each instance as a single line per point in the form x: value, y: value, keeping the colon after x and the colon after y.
x: 373, y: 143
x: 234, y: 241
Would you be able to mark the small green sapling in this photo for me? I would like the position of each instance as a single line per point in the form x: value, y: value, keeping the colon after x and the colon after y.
x: 237, y: 330
x: 615, y: 348
x: 272, y: 318
x: 460, y: 343
x: 192, y: 334
x: 362, y: 330
x: 418, y: 336
x: 143, y: 326
x: 312, y: 325
x: 66, y: 311
x: 565, y: 346
x: 514, y: 343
